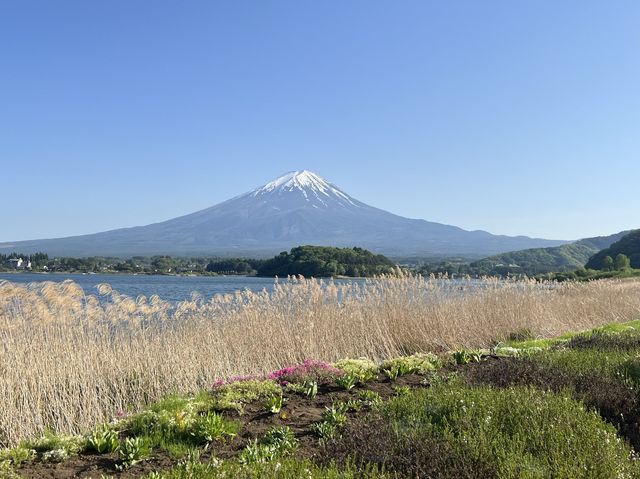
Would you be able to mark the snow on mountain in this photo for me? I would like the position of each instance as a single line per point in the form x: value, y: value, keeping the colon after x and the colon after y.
x: 297, y: 208
x: 314, y: 188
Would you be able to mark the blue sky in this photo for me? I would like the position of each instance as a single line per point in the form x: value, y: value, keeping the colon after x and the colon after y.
x: 513, y: 117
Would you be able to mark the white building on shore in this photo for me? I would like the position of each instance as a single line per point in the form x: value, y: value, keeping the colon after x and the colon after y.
x: 19, y: 263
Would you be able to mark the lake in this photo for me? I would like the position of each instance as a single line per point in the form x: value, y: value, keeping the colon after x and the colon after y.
x: 169, y: 288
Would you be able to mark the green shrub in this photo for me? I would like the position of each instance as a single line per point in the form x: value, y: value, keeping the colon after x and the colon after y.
x: 369, y: 399
x: 607, y: 339
x: 523, y: 431
x: 211, y: 427
x: 16, y: 456
x: 256, y: 452
x: 587, y: 376
x: 102, y: 439
x: 324, y: 430
x: 283, y: 468
x: 131, y: 451
x: 401, y: 390
x: 347, y: 381
x: 281, y: 438
x: 461, y: 357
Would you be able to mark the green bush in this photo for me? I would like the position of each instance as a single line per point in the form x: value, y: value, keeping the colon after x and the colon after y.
x: 131, y: 451
x: 211, y: 427
x: 102, y: 439
x: 504, y: 433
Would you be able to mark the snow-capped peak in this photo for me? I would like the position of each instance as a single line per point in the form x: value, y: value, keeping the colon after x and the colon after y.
x: 312, y: 186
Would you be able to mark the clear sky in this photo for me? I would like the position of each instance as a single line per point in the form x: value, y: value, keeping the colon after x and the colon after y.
x: 513, y: 117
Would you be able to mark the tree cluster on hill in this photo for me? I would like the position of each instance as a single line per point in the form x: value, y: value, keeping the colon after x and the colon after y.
x: 235, y: 266
x: 537, y: 260
x: 137, y: 264
x: 324, y: 261
x: 622, y: 254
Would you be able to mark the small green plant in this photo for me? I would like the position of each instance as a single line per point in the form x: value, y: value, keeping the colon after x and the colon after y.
x: 353, y: 405
x: 130, y: 452
x: 369, y: 398
x: 347, y: 381
x: 103, y: 439
x: 55, y: 455
x: 401, y: 390
x: 294, y: 388
x: 392, y: 373
x: 211, y: 427
x: 333, y: 418
x: 336, y: 414
x: 475, y: 355
x: 310, y: 389
x: 324, y: 430
x: 276, y: 442
x: 368, y: 375
x: 17, y: 455
x: 255, y: 452
x: 282, y: 438
x: 461, y: 357
x: 7, y: 472
x: 274, y: 403
x: 191, y: 467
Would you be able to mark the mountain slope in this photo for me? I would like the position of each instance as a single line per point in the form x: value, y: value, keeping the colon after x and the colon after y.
x: 565, y: 257
x: 628, y: 245
x: 297, y: 208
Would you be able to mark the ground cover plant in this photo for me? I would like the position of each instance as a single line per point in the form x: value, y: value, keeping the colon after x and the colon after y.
x: 567, y: 410
x: 452, y: 430
x: 97, y: 357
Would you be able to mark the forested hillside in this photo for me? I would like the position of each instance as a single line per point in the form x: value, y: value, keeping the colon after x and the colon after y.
x: 533, y: 261
x: 621, y: 254
x: 321, y: 261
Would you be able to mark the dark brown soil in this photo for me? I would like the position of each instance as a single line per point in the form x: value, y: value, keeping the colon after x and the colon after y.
x: 298, y: 413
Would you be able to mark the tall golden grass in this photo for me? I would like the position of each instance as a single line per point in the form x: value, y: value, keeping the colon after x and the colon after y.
x: 69, y: 360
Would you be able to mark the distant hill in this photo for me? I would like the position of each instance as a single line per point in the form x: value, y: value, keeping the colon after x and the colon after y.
x: 532, y: 261
x: 297, y: 208
x: 628, y: 245
x: 323, y: 261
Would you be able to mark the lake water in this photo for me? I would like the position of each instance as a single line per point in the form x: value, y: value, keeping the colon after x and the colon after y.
x: 169, y: 288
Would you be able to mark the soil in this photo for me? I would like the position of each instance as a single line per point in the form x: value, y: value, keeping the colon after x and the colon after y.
x: 298, y: 413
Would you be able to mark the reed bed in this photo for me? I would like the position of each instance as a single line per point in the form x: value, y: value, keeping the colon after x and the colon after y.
x: 69, y: 359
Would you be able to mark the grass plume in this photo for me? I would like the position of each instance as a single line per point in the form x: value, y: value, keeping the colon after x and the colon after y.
x: 69, y: 360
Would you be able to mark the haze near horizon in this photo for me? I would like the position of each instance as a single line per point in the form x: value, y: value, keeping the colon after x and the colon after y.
x: 514, y: 119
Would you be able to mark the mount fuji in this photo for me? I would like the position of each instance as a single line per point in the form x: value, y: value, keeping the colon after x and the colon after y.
x: 297, y: 208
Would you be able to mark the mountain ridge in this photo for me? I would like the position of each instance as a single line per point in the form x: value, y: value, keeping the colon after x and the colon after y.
x: 566, y: 257
x: 297, y: 208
